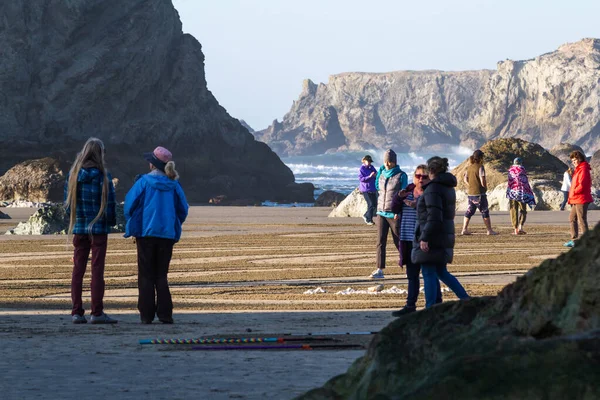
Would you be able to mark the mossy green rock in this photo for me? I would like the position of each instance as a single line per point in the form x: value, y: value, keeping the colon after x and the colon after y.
x: 499, y: 157
x: 538, y: 339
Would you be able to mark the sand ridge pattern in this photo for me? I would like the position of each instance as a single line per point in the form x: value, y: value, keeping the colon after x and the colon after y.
x: 268, y: 269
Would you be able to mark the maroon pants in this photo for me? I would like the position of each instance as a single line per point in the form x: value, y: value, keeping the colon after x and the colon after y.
x: 83, y: 244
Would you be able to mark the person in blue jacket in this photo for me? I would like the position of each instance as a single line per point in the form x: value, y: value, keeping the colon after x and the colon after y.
x: 155, y: 209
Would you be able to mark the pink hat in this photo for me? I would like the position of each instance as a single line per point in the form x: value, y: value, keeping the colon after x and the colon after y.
x: 159, y: 157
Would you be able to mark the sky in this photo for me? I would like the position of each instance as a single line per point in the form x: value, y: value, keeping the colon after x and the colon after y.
x: 258, y: 52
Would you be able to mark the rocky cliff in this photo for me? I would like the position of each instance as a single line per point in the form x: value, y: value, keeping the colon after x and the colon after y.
x: 550, y: 99
x: 124, y: 71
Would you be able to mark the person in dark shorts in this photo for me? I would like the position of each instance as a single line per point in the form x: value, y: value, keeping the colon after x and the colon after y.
x: 476, y: 191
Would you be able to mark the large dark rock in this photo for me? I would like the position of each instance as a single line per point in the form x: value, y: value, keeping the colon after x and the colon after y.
x: 245, y: 125
x: 548, y: 99
x: 33, y: 180
x: 500, y: 154
x: 562, y: 151
x: 302, y: 192
x: 329, y: 198
x: 538, y: 339
x: 125, y: 72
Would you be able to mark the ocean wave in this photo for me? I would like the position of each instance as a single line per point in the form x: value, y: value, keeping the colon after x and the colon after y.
x: 339, y: 171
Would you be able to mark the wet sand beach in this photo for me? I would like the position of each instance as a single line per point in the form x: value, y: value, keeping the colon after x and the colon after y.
x: 237, y: 272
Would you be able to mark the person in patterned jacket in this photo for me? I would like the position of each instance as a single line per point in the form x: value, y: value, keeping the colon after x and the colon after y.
x: 90, y: 204
x: 519, y: 194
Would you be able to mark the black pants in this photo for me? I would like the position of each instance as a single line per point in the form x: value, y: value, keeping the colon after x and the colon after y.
x: 154, y: 255
x: 383, y: 226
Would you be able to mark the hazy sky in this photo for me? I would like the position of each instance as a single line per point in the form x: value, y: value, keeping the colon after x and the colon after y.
x: 259, y: 51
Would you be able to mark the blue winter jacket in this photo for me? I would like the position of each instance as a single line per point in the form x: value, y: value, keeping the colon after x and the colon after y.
x: 155, y: 207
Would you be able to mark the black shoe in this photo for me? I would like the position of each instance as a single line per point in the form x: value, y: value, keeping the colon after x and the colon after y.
x: 166, y: 320
x: 146, y: 321
x: 403, y: 311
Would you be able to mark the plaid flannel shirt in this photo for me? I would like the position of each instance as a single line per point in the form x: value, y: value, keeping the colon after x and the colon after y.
x: 89, y: 198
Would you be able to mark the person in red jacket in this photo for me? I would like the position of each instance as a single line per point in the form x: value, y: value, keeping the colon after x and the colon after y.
x: 580, y: 195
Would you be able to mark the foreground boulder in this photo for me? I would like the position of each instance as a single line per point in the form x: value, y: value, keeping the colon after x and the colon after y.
x: 538, y: 339
x: 39, y: 180
x: 53, y: 220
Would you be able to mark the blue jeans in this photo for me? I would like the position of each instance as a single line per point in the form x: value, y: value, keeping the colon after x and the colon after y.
x: 565, y: 199
x: 412, y: 275
x: 431, y: 274
x: 371, y: 199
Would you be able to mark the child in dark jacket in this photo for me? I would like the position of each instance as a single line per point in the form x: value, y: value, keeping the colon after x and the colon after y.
x: 90, y: 202
x: 155, y: 209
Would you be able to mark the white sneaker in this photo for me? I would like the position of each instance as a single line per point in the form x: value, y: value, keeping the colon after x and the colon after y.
x: 377, y: 274
x: 365, y: 219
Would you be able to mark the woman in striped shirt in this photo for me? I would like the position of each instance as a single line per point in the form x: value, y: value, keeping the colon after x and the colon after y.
x: 405, y: 208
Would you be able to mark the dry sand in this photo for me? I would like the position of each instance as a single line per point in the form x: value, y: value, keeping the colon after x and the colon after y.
x: 237, y: 272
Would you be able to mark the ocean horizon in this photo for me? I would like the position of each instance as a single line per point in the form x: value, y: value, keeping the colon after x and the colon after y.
x: 339, y: 171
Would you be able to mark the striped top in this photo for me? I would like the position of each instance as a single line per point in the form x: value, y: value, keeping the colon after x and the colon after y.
x: 409, y: 221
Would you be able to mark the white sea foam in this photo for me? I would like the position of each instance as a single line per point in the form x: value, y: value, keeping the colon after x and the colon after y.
x: 339, y: 171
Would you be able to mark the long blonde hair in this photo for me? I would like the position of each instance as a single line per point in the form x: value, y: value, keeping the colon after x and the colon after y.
x: 92, y: 153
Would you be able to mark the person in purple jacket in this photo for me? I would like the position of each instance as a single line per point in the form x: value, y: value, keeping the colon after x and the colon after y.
x: 366, y: 176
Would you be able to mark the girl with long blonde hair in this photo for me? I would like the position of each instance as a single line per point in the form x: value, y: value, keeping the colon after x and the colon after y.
x: 90, y: 203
